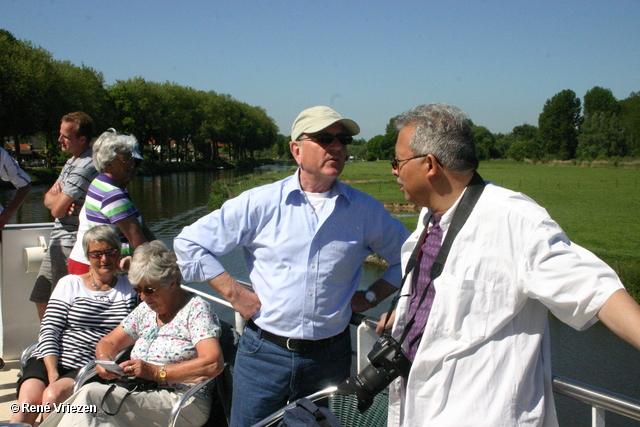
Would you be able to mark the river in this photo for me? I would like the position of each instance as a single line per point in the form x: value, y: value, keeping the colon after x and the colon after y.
x: 169, y: 202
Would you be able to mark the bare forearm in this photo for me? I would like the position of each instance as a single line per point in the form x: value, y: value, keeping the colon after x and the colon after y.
x: 243, y: 301
x: 15, y: 204
x: 193, y: 371
x: 113, y: 343
x: 50, y: 196
x: 208, y: 364
x: 148, y: 233
x: 51, y: 363
x: 383, y: 289
x: 621, y: 314
x: 106, y: 350
x: 132, y: 230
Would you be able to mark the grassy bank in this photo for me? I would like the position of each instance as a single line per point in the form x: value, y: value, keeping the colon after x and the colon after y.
x: 596, y: 206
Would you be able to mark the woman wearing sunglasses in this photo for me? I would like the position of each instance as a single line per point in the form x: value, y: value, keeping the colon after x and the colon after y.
x: 174, y: 334
x: 81, y: 311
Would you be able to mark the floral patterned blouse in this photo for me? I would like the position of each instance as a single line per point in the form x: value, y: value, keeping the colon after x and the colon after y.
x: 172, y: 342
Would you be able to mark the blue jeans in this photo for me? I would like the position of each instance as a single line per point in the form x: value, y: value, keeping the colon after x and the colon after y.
x: 267, y: 376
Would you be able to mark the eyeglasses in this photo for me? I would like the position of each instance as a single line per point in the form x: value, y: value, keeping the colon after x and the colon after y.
x: 108, y: 252
x: 147, y: 290
x: 327, y: 138
x: 395, y: 163
x: 126, y: 157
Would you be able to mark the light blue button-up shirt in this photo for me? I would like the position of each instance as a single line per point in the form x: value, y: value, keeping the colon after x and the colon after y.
x: 305, y: 267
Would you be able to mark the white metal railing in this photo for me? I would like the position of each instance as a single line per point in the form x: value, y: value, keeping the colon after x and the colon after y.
x: 600, y: 400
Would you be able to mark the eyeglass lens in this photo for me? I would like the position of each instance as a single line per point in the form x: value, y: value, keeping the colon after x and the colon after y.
x: 98, y: 254
x: 147, y: 290
x: 327, y: 138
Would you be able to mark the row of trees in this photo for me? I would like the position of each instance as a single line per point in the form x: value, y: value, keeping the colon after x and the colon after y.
x: 36, y: 91
x: 603, y: 128
x: 188, y: 124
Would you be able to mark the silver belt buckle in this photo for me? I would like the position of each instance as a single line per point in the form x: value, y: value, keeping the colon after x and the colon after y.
x: 288, y: 347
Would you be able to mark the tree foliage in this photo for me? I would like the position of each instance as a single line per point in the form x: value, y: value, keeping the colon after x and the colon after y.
x: 601, y: 134
x: 558, y: 125
x: 485, y: 143
x: 600, y: 100
x: 523, y: 143
x: 175, y: 122
x: 26, y: 74
x: 384, y: 146
x: 630, y: 122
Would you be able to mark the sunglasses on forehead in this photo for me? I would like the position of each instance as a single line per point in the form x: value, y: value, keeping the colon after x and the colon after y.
x: 147, y: 290
x: 108, y: 252
x: 327, y: 138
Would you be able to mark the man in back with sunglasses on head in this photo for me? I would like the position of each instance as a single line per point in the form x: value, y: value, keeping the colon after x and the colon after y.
x: 304, y: 240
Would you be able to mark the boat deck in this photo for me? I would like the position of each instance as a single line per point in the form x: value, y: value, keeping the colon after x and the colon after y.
x: 8, y: 378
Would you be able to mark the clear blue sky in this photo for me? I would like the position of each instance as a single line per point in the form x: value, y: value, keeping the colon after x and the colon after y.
x: 370, y: 60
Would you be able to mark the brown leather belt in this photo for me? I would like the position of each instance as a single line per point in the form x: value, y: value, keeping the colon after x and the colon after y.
x: 294, y: 344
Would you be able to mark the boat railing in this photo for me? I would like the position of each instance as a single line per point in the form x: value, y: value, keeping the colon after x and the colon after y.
x: 600, y: 400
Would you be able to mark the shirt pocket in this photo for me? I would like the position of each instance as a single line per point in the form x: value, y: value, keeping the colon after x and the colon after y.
x: 342, y: 259
x: 464, y: 308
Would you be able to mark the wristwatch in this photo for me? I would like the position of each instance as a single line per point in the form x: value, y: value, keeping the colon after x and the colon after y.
x: 163, y: 373
x: 371, y: 296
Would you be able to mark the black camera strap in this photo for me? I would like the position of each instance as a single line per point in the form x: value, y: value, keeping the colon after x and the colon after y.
x: 466, y: 205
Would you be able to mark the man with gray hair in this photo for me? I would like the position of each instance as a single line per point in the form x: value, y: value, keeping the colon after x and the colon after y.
x: 304, y: 239
x: 476, y: 332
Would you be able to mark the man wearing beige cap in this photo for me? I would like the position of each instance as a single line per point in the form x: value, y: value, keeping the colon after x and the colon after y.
x: 304, y: 239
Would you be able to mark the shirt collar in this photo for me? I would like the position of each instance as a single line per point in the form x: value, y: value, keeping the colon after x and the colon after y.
x: 445, y: 221
x: 106, y: 178
x: 293, y: 186
x: 86, y: 153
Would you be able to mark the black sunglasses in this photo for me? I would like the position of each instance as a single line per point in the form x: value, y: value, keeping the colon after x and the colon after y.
x: 327, y: 138
x: 147, y: 290
x: 108, y: 252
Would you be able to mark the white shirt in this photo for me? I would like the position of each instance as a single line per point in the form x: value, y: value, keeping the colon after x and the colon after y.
x: 484, y: 357
x: 11, y: 172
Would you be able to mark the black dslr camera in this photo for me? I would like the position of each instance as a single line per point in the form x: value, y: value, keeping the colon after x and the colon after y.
x: 386, y: 362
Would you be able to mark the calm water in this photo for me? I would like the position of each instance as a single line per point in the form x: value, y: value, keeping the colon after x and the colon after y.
x: 170, y: 202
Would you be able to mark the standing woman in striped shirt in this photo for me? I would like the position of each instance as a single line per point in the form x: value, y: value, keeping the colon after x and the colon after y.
x: 82, y: 309
x: 117, y: 159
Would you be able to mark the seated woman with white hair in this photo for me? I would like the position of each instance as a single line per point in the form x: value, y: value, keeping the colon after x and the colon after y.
x: 174, y: 334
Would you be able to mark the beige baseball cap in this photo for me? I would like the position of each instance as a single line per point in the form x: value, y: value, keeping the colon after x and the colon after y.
x: 315, y: 119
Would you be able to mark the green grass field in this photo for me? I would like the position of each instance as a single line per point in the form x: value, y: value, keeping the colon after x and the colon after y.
x: 597, y: 207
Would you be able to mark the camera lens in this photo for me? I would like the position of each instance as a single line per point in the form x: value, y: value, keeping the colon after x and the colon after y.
x: 387, y: 362
x: 366, y: 385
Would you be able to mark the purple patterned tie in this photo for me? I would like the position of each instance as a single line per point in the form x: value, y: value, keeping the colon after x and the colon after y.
x: 421, y: 281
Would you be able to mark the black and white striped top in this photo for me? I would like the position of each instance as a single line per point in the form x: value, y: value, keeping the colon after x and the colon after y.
x: 77, y: 318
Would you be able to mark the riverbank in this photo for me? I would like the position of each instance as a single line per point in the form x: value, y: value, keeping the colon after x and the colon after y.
x: 574, y: 196
x: 47, y: 176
